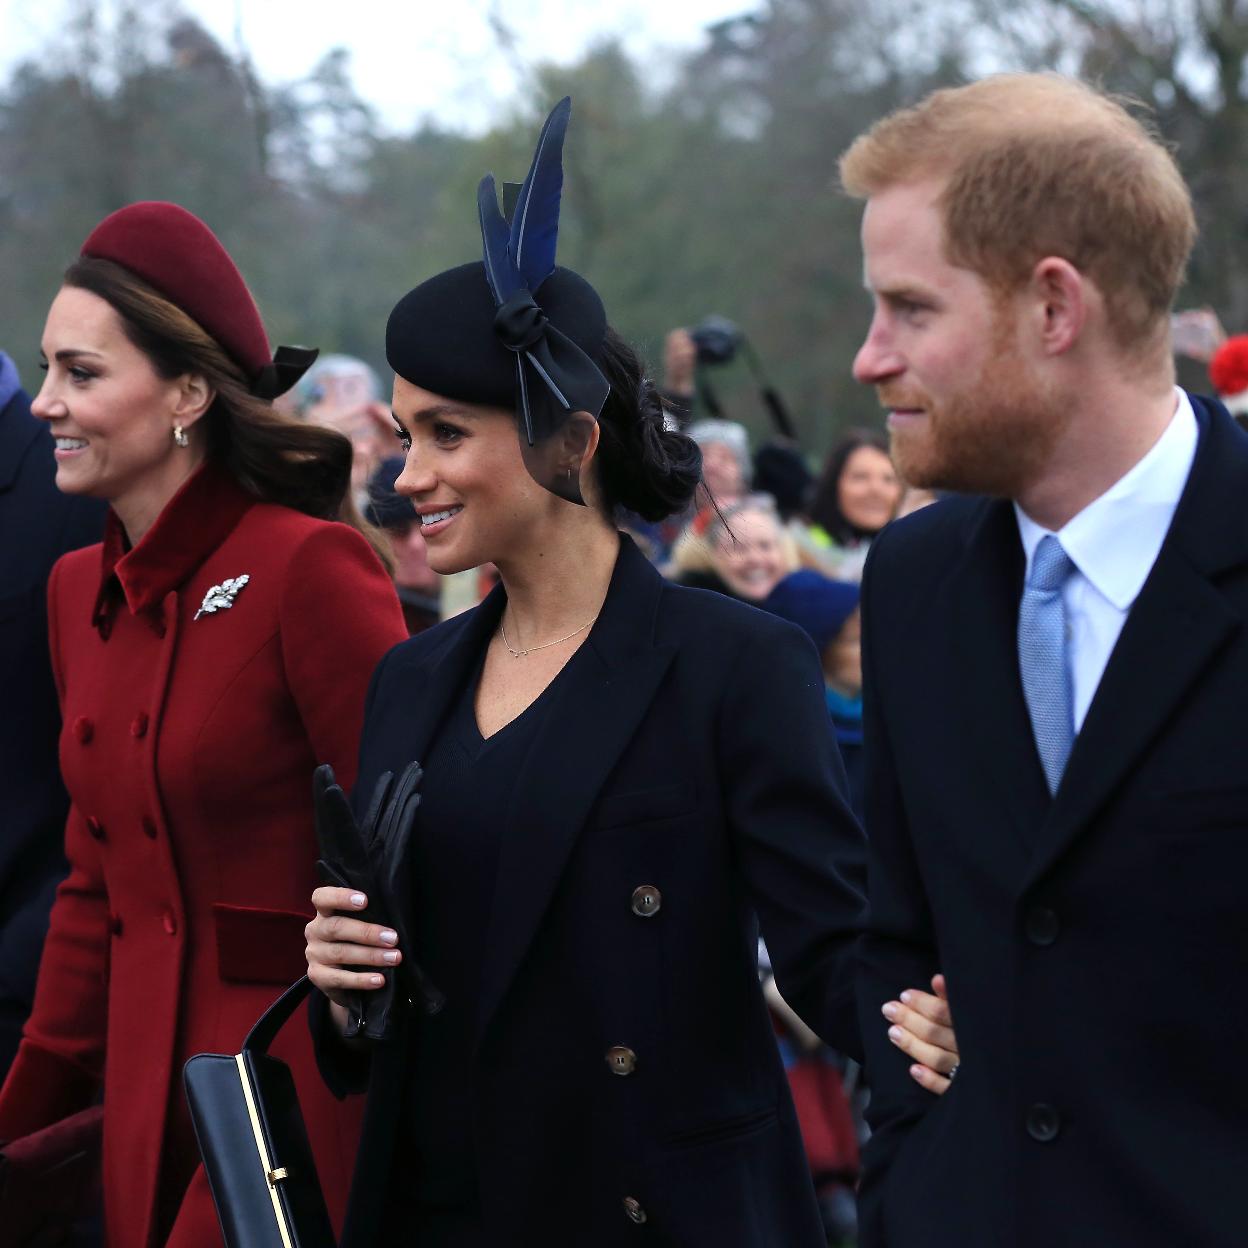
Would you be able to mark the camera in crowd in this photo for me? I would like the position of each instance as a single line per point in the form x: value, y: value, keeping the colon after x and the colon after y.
x: 716, y: 339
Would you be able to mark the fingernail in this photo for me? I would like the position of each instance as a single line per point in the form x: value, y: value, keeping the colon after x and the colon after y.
x: 389, y: 938
x: 916, y: 1073
x: 390, y: 956
x: 905, y: 996
x: 359, y: 901
x: 378, y: 980
x: 894, y: 1034
x: 889, y: 1011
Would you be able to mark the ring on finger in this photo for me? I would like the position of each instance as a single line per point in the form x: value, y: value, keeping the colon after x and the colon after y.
x: 953, y: 1073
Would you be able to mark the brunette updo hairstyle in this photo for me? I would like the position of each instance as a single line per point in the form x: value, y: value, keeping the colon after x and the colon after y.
x: 643, y: 466
x: 274, y: 457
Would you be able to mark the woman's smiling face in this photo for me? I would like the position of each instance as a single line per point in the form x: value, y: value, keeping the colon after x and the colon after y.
x: 111, y: 413
x: 466, y: 478
x: 749, y: 553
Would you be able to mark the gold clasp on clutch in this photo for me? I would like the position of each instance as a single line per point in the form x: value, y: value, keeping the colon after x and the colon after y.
x: 276, y: 1176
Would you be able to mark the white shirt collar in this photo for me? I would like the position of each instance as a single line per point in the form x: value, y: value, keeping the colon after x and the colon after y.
x: 1114, y: 541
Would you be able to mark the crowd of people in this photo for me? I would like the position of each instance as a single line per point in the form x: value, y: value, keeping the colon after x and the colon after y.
x: 660, y: 680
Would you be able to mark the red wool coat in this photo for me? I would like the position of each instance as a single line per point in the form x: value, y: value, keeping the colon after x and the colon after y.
x: 188, y: 748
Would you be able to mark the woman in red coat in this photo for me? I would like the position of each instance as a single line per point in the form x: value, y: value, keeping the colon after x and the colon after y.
x: 208, y: 656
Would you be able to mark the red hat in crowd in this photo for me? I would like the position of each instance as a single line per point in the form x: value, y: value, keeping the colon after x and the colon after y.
x: 1228, y: 370
x: 176, y: 254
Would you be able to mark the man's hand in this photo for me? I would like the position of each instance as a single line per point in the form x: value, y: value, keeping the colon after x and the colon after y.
x: 922, y: 1028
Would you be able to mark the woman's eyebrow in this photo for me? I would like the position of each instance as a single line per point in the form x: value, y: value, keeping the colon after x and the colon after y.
x: 439, y: 410
x: 71, y: 353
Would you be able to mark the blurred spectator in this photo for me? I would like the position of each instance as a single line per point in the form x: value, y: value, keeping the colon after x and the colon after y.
x: 1196, y: 333
x: 419, y: 587
x: 726, y: 467
x: 781, y: 471
x: 342, y: 393
x: 1228, y: 370
x: 828, y: 612
x: 856, y: 496
x: 680, y: 361
x: 819, y: 1080
x: 744, y: 552
x: 33, y: 802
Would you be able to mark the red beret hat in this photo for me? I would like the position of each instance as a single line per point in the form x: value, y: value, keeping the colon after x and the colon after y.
x: 175, y: 253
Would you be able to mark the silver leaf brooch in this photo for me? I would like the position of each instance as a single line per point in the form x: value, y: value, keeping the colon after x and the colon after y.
x: 219, y: 597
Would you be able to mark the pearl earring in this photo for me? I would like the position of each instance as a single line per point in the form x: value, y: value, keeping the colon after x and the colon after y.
x: 179, y: 436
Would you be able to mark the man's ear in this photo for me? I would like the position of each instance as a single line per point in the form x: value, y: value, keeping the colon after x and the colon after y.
x: 194, y: 398
x: 1060, y: 299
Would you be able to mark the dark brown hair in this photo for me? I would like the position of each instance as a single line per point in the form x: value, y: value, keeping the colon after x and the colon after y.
x: 274, y: 457
x: 825, y: 503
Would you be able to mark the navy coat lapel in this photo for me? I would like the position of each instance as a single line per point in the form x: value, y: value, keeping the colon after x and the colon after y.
x: 450, y: 673
x: 983, y: 597
x: 1173, y: 633
x: 593, y: 715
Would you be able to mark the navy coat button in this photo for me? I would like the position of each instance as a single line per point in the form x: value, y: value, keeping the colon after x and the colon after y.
x: 647, y: 901
x: 95, y: 827
x: 84, y: 730
x: 114, y: 924
x: 634, y: 1210
x: 1043, y: 1123
x: 149, y: 827
x: 138, y: 729
x: 1042, y: 926
x: 170, y: 922
x: 621, y: 1060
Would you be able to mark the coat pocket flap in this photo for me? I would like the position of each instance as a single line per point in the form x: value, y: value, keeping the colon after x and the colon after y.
x: 645, y: 805
x: 258, y: 946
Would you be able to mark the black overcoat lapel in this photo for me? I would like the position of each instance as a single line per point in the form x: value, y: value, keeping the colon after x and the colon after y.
x: 594, y: 713
x: 450, y: 673
x: 1177, y: 627
x: 982, y: 597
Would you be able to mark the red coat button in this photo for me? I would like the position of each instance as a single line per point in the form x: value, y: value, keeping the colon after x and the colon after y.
x: 170, y: 922
x: 114, y: 924
x: 95, y: 827
x: 149, y: 828
x: 138, y: 729
x: 84, y: 730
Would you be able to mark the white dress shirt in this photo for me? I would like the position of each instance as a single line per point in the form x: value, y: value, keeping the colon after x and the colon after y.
x: 1113, y: 543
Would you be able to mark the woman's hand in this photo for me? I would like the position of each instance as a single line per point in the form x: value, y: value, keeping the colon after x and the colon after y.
x: 340, y: 948
x: 922, y: 1028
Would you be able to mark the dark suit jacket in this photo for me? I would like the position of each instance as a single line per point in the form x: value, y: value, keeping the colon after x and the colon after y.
x: 1096, y: 943
x: 691, y: 751
x: 37, y: 525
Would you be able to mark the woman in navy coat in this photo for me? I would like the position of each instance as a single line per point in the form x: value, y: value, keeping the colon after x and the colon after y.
x: 623, y: 779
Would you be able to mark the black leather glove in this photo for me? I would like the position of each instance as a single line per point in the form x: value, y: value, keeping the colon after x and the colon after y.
x: 370, y: 858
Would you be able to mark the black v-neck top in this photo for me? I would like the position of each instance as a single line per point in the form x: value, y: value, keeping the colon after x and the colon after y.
x: 466, y: 794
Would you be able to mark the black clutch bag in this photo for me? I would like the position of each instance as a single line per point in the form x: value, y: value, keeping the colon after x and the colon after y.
x: 254, y: 1143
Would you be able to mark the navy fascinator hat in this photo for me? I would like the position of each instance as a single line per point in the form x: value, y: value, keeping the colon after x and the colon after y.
x: 513, y: 329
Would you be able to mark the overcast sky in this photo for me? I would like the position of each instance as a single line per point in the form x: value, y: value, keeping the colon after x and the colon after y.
x: 411, y: 58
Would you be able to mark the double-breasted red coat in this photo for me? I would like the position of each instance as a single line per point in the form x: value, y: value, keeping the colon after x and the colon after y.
x: 190, y: 737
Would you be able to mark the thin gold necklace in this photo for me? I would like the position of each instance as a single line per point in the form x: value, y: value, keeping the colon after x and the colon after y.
x: 519, y: 654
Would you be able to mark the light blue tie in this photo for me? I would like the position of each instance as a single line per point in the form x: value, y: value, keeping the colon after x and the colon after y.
x: 1044, y: 658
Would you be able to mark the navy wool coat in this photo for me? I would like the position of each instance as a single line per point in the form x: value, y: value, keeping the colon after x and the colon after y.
x: 1096, y: 942
x: 691, y: 753
x: 38, y: 524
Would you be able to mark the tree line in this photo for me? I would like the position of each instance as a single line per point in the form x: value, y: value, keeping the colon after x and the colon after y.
x: 714, y: 192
